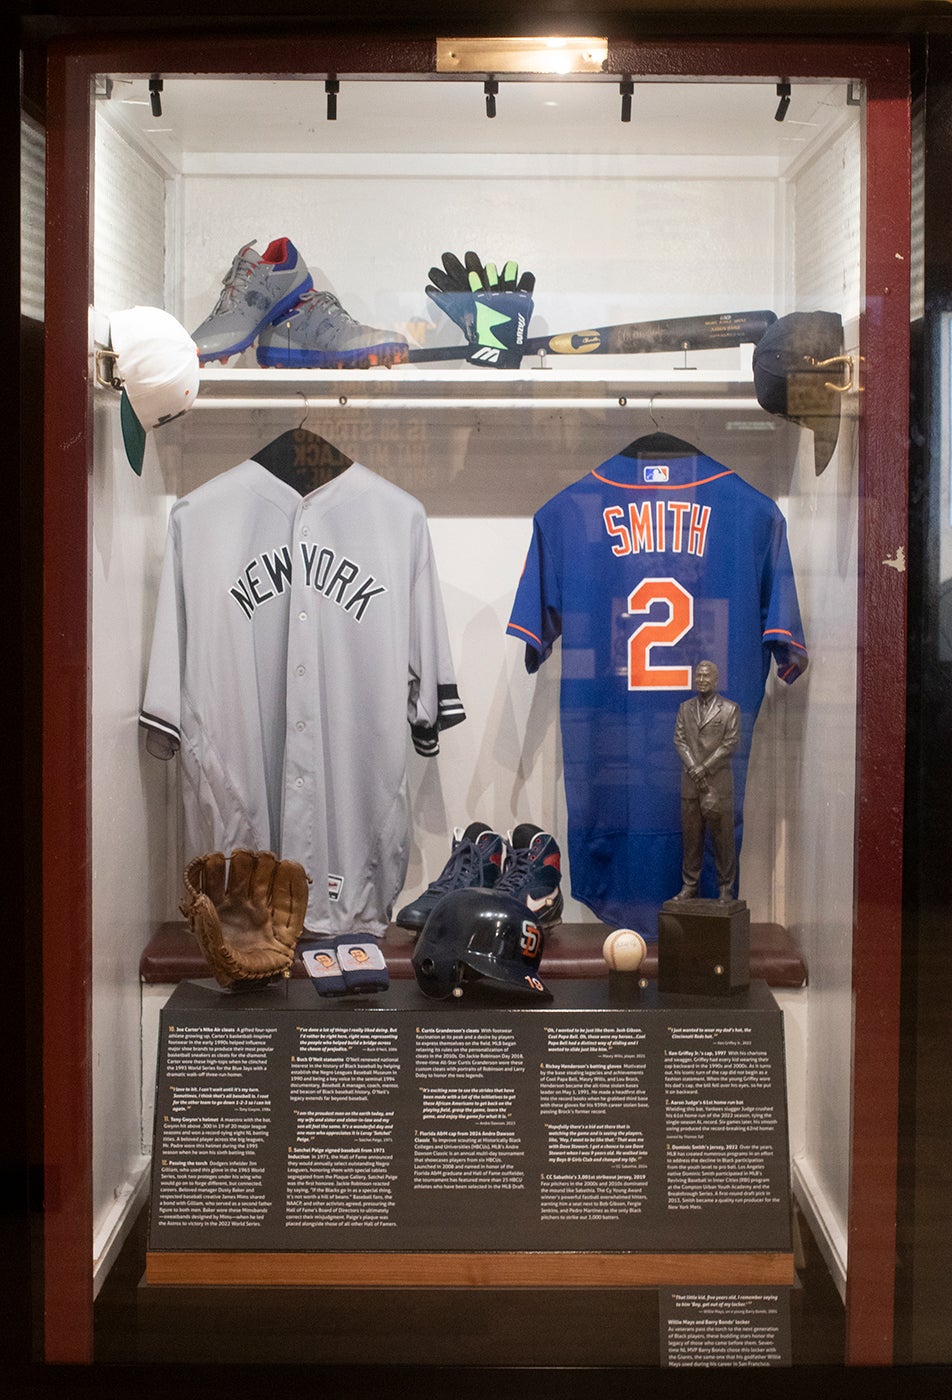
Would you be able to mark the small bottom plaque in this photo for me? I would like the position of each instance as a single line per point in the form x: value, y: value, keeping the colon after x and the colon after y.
x: 730, y: 1327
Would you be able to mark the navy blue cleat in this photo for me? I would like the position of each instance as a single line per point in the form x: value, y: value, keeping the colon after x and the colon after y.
x: 475, y: 862
x: 533, y: 873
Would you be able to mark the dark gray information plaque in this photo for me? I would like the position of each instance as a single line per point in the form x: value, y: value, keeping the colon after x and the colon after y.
x: 285, y: 1121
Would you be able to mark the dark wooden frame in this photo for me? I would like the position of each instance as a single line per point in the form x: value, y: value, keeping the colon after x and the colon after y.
x: 66, y: 854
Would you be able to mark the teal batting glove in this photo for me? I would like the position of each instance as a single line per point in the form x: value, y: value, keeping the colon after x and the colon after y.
x: 492, y: 309
x: 503, y: 305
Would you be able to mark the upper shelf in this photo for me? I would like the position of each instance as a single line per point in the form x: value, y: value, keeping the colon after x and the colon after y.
x: 438, y: 386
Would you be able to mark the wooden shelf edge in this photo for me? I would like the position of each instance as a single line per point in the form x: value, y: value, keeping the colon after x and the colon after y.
x: 489, y: 1270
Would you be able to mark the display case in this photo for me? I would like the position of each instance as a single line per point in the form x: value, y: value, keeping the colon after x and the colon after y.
x: 661, y: 183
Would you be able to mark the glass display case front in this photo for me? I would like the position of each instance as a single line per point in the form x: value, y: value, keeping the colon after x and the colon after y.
x: 528, y: 432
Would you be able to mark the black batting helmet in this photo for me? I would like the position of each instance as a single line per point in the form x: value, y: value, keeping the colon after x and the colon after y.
x: 475, y: 933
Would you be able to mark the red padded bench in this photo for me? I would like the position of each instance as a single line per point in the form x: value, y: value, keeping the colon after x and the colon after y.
x: 571, y: 950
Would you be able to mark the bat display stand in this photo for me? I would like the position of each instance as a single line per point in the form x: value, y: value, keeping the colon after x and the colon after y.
x: 703, y: 947
x: 626, y: 988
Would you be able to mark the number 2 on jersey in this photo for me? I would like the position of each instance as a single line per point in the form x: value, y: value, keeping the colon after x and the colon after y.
x: 643, y: 673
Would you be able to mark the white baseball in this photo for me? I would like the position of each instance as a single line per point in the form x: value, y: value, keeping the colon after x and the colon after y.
x: 624, y: 950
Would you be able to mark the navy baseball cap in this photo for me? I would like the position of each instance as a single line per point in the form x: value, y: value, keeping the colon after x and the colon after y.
x: 791, y: 381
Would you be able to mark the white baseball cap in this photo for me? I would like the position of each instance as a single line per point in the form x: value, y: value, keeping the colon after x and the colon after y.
x: 157, y: 363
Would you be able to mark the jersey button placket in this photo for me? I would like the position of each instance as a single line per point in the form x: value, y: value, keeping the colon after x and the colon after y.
x: 297, y: 759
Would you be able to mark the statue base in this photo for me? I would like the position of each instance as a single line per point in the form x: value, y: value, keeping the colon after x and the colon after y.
x: 704, y: 946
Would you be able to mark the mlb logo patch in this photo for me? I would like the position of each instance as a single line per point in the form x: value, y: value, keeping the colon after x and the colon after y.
x: 656, y: 474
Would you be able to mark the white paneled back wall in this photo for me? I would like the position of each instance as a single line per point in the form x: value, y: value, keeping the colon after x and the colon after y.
x: 132, y: 802
x: 129, y: 226
x: 827, y: 265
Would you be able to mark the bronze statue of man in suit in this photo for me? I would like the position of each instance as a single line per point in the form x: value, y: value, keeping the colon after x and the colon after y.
x: 705, y: 735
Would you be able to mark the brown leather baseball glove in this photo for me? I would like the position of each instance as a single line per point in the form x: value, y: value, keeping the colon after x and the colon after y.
x: 248, y: 920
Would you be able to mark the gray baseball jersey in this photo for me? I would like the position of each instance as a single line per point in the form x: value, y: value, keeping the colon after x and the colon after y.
x: 295, y: 638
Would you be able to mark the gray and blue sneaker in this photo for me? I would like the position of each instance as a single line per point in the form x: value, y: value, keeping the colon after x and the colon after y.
x: 533, y: 873
x: 318, y: 333
x: 475, y: 862
x: 255, y: 291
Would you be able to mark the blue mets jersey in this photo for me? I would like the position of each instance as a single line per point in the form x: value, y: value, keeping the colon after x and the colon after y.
x: 644, y: 568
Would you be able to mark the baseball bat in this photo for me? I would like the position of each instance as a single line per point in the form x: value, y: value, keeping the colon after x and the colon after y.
x: 630, y: 338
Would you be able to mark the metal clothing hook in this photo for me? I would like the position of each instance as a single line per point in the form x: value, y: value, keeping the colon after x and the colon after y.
x: 106, y: 369
x: 651, y: 413
x: 307, y: 408
x: 844, y: 363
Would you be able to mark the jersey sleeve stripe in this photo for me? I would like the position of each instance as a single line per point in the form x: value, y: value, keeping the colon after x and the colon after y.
x: 661, y: 485
x: 782, y: 632
x: 451, y: 706
x: 161, y: 726
x: 515, y: 630
x: 425, y: 739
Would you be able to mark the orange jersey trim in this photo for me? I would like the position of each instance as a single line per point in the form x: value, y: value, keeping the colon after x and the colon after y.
x: 782, y: 632
x: 514, y: 627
